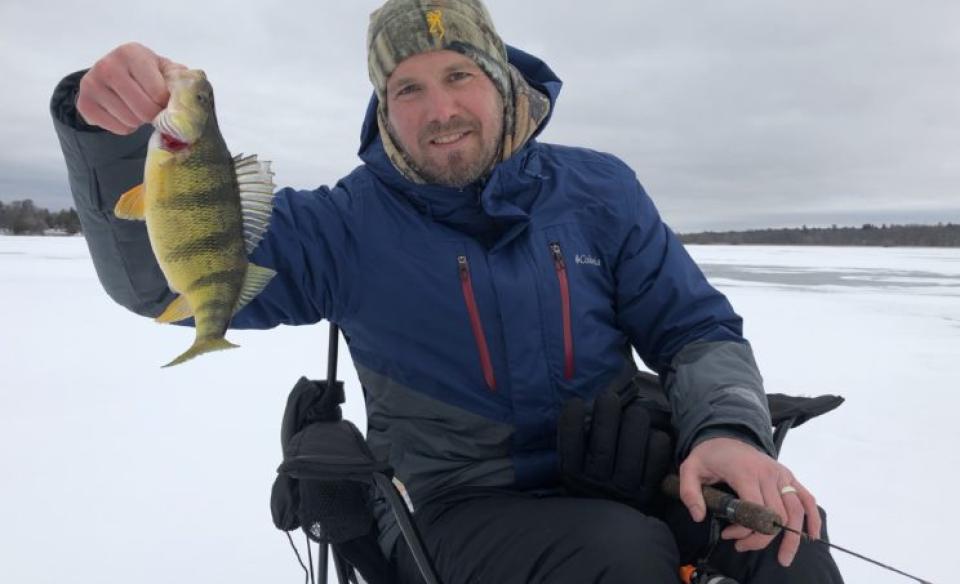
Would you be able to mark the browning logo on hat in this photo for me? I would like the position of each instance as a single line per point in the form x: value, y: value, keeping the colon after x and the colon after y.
x: 402, y: 28
x: 435, y: 22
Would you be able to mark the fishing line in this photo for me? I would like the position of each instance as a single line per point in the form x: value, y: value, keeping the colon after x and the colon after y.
x: 806, y: 538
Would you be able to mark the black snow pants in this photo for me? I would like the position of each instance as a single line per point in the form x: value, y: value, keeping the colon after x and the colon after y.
x: 511, y: 537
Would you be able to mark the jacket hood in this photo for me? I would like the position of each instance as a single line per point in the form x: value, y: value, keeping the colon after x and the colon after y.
x: 484, y: 209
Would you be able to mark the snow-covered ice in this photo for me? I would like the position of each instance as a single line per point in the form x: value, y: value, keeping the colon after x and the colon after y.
x: 116, y: 471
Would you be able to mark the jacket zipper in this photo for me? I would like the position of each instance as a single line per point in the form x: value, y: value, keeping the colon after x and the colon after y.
x: 561, y: 267
x: 467, y: 285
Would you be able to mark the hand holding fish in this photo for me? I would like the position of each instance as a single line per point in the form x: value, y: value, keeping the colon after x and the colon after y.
x: 125, y: 89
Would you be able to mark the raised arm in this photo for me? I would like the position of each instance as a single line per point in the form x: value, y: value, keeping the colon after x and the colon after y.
x: 102, y: 118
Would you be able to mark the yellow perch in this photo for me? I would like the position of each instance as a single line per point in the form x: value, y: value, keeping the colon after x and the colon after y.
x: 205, y: 212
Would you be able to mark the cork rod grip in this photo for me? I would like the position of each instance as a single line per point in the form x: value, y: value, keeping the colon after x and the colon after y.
x: 725, y: 505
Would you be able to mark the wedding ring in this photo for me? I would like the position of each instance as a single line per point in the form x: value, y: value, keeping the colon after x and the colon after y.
x: 788, y: 489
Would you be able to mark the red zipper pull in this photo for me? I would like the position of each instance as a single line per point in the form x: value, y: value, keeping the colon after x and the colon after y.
x: 558, y: 257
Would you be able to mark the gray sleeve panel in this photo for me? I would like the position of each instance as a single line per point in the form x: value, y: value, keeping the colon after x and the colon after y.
x: 735, y: 432
x: 715, y: 388
x: 100, y: 167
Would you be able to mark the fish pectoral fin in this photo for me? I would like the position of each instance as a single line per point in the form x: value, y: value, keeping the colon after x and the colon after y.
x: 255, y: 182
x: 176, y: 311
x: 255, y: 281
x: 130, y: 205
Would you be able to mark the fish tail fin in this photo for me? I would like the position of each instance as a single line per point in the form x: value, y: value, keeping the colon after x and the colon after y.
x: 202, y: 346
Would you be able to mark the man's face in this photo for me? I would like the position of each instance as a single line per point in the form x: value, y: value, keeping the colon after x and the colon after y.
x: 447, y: 116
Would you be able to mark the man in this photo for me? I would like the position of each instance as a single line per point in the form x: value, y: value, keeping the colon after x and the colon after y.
x: 483, y: 280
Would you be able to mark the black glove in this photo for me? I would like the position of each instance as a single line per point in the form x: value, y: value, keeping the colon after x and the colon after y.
x: 617, y: 454
x: 312, y: 490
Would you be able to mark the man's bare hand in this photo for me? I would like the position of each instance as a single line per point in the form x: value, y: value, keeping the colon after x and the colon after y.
x: 756, y: 478
x: 125, y: 89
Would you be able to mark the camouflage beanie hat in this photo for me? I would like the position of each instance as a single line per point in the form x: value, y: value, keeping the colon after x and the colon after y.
x: 403, y: 28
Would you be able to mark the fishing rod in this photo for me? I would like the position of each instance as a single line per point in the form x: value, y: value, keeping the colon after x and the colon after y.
x: 760, y: 519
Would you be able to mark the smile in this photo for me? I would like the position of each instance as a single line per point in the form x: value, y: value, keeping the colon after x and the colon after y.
x: 449, y: 139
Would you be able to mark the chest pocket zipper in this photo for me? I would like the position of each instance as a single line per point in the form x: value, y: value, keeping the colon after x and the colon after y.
x: 467, y: 285
x: 561, y: 268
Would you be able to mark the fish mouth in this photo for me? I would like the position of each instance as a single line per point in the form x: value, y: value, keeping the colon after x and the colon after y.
x: 180, y: 123
x: 171, y: 138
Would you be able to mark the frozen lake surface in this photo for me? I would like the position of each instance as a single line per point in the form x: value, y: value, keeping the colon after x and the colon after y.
x: 116, y: 471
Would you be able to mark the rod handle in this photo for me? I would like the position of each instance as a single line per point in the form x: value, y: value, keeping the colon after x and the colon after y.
x: 756, y: 517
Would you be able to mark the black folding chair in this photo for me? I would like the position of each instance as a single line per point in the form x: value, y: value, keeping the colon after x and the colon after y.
x: 326, y: 481
x: 328, y: 474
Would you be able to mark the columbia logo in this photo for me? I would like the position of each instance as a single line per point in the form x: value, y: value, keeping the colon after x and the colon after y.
x: 588, y: 260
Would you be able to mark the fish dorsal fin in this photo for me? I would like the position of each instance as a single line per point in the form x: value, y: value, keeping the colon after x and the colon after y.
x: 255, y: 180
x: 254, y: 282
x: 130, y: 205
x: 176, y: 311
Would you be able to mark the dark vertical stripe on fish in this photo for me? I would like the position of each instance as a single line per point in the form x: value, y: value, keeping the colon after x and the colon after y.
x: 223, y: 240
x: 197, y: 200
x: 215, y: 306
x: 227, y: 277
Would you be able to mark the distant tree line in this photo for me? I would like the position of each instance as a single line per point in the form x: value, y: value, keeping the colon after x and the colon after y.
x: 25, y: 218
x: 939, y: 235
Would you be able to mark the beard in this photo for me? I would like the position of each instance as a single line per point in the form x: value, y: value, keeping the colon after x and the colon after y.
x: 457, y: 168
x: 457, y: 171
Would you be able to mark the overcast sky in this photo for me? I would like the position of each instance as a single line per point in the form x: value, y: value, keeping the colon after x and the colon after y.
x: 735, y: 114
